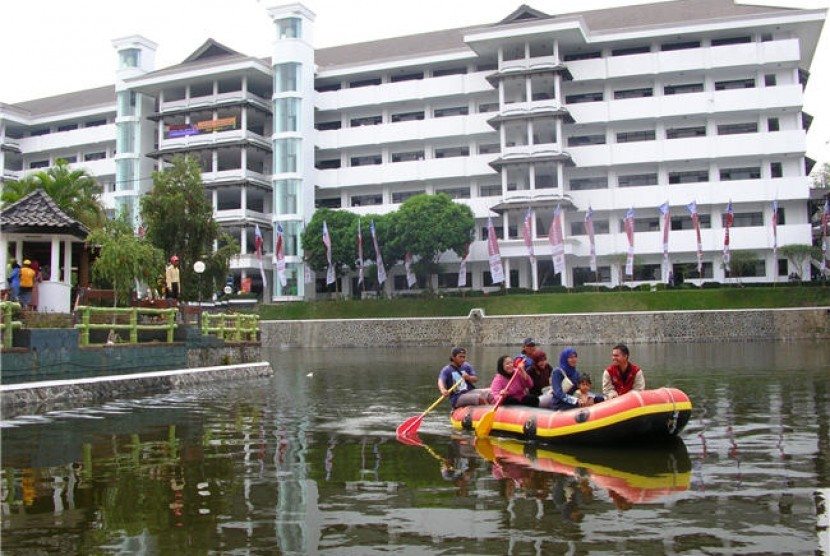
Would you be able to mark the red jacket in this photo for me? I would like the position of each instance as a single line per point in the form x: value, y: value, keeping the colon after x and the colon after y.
x: 623, y: 384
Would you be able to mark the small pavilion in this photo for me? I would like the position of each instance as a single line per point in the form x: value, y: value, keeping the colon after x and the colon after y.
x: 35, y: 228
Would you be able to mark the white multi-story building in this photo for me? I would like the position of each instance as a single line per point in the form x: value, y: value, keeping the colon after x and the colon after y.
x: 617, y: 109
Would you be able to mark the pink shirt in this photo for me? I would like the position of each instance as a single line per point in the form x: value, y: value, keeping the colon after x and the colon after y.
x: 518, y: 389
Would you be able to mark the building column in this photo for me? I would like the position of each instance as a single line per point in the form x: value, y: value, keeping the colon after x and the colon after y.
x: 67, y: 261
x: 4, y: 257
x: 55, y: 261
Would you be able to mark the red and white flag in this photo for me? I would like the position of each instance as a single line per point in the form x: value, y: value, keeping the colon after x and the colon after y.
x: 692, y: 208
x: 730, y: 217
x: 665, y: 212
x: 496, y: 268
x: 527, y: 234
x: 775, y: 234
x: 589, y: 229
x: 462, y: 270
x: 825, y: 221
x: 379, y: 259
x: 327, y: 243
x: 410, y: 276
x: 258, y: 248
x: 359, y: 254
x: 628, y: 222
x: 557, y: 241
x: 280, y: 257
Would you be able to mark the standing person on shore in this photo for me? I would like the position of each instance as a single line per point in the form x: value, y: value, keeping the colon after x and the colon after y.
x: 14, y: 282
x: 27, y: 282
x: 172, y: 282
x: 622, y: 376
x: 458, y: 369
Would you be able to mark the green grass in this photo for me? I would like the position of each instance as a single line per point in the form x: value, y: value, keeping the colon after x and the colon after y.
x: 542, y: 303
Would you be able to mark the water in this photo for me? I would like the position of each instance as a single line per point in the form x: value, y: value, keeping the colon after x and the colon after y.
x: 307, y: 463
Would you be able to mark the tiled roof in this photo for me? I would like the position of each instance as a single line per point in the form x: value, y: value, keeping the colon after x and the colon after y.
x: 68, y: 102
x: 37, y: 213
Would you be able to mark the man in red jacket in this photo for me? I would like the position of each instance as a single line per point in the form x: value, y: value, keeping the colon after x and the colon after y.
x: 622, y: 376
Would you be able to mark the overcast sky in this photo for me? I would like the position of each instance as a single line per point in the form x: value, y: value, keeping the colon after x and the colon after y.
x: 50, y: 47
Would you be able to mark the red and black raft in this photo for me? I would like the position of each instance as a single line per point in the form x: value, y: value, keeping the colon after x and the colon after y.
x: 647, y: 417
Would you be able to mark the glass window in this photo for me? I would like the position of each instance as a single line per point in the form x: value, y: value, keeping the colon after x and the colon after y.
x: 289, y: 28
x: 776, y: 170
x: 407, y: 116
x: 408, y: 156
x: 634, y: 136
x: 461, y: 70
x: 578, y: 227
x: 451, y: 152
x: 456, y: 192
x: 367, y: 200
x: 406, y: 77
x: 574, y: 56
x: 401, y: 196
x: 286, y: 195
x: 630, y: 50
x: 328, y: 126
x: 679, y: 46
x: 329, y: 164
x: 584, y: 275
x: 635, y: 180
x: 769, y: 80
x: 734, y: 174
x: 584, y: 97
x: 686, y: 132
x: 287, y: 114
x: 773, y: 124
x: 736, y: 129
x: 735, y: 84
x: 684, y: 222
x: 368, y: 82
x: 367, y: 120
x: 287, y: 77
x: 582, y: 184
x: 366, y: 160
x: 453, y: 111
x: 634, y: 93
x: 287, y: 155
x: 488, y: 107
x: 126, y: 103
x: 125, y: 176
x: 683, y: 89
x: 731, y: 40
x: 129, y: 58
x: 489, y: 148
x: 690, y: 176
x: 489, y: 190
x: 580, y: 140
x: 39, y: 164
x: 747, y: 219
x: 126, y: 136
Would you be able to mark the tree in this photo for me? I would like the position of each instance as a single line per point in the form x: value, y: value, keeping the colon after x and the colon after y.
x: 342, y: 227
x: 821, y: 176
x: 800, y: 255
x: 75, y: 192
x: 179, y: 220
x: 123, y: 257
x: 742, y: 263
x: 428, y: 226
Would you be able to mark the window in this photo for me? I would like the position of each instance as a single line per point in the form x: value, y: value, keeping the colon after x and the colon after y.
x: 630, y: 50
x: 747, y: 219
x: 449, y: 71
x: 368, y: 82
x: 95, y: 123
x: 781, y: 219
x: 39, y: 164
x: 634, y: 136
x: 287, y: 77
x: 287, y: 155
x: 406, y: 77
x: 736, y: 129
x: 489, y: 190
x: 451, y: 152
x: 95, y: 156
x: 407, y: 116
x: 580, y: 140
x: 766, y: 37
x: 578, y: 228
x: 67, y: 127
x: 488, y: 107
x: 456, y: 192
x: 367, y: 200
x: 401, y: 196
x: 734, y: 174
x: 324, y: 88
x: 70, y: 159
x: 487, y: 66
x: 735, y: 84
x: 685, y: 222
x: 690, y: 271
x: 289, y: 28
x: 690, y: 176
x: 129, y: 58
x: 329, y: 164
x: 634, y: 93
x: 773, y: 124
x: 635, y: 180
x: 776, y: 170
x: 584, y: 275
x: 769, y: 80
x: 582, y: 184
x: 334, y: 203
x: 683, y: 89
x: 367, y: 160
x: 584, y: 97
x: 39, y: 132
x: 287, y: 114
x: 668, y: 47
x: 575, y: 56
x: 408, y: 156
x: 489, y: 148
x: 328, y: 126
x: 644, y: 224
x: 686, y: 132
x: 647, y: 272
x: 731, y: 40
x: 454, y: 111
x: 366, y: 120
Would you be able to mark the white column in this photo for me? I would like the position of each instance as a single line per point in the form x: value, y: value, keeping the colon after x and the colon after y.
x: 55, y: 261
x: 67, y: 261
x: 4, y: 250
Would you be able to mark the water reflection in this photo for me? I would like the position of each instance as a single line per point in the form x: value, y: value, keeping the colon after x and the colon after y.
x: 302, y: 464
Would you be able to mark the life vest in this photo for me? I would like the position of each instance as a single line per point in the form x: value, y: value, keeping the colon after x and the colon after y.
x: 27, y: 277
x: 623, y: 382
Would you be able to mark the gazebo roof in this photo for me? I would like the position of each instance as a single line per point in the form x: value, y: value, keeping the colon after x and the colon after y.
x: 37, y: 213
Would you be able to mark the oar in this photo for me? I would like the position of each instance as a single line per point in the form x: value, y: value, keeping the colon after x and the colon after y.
x: 411, y: 425
x: 485, y: 424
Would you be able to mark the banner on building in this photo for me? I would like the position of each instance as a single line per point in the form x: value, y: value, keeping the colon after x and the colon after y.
x: 327, y: 243
x: 258, y: 242
x: 557, y: 241
x: 280, y: 258
x: 462, y: 270
x: 692, y: 208
x: 359, y: 254
x: 411, y: 280
x: 628, y: 223
x: 527, y: 234
x: 665, y: 212
x: 589, y: 229
x: 378, y: 257
x: 727, y: 224
x: 496, y: 268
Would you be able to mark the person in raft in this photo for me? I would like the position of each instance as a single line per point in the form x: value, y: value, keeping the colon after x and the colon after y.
x: 564, y: 382
x: 519, y: 391
x: 622, y: 376
x: 528, y: 352
x: 464, y: 393
x: 539, y: 372
x: 584, y: 391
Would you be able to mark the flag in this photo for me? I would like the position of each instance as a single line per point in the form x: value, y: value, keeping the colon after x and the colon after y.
x: 258, y: 249
x: 825, y: 220
x: 280, y: 253
x: 496, y: 268
x: 775, y: 234
x: 692, y: 208
x: 589, y: 229
x: 462, y: 270
x: 378, y: 258
x: 730, y: 216
x: 359, y: 254
x: 528, y: 236
x: 629, y: 232
x: 327, y: 243
x: 665, y: 212
x: 411, y: 280
x: 557, y: 241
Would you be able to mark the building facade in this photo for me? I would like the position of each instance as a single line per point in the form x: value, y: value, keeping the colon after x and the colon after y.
x: 617, y: 111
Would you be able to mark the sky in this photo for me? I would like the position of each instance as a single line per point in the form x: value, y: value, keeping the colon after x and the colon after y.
x: 50, y: 47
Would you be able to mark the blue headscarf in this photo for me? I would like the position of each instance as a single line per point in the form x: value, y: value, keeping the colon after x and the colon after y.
x: 563, y: 361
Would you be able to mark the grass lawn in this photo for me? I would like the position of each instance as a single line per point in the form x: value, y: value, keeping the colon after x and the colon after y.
x: 542, y: 303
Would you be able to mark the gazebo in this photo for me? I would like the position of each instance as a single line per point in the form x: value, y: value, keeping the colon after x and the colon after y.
x: 37, y: 227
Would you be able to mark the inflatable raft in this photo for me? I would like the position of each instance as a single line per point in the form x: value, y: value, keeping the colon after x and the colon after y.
x: 650, y: 416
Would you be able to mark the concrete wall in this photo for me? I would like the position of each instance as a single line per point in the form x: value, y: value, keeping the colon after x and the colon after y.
x: 574, y: 329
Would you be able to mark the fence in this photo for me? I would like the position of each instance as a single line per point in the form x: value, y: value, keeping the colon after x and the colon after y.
x: 168, y: 323
x: 236, y: 326
x: 7, y: 309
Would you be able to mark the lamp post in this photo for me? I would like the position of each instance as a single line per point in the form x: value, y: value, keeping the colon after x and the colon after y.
x: 199, y: 268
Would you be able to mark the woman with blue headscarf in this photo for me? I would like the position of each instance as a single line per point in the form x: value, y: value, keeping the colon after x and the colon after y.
x: 564, y: 381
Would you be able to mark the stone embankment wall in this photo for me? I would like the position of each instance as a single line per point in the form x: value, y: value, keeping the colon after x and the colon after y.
x: 572, y: 329
x: 39, y: 394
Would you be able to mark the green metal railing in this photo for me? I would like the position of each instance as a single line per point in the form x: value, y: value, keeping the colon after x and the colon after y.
x: 168, y: 323
x: 237, y: 326
x: 8, y: 325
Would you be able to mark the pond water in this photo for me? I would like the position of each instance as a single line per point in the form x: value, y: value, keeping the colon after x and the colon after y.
x: 306, y: 462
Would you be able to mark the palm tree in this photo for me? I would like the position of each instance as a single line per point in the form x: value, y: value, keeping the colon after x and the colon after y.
x: 74, y: 191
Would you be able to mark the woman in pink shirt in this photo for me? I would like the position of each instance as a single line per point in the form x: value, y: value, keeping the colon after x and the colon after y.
x: 519, y: 391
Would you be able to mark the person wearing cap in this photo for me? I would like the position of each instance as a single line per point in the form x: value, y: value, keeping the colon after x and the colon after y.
x: 526, y: 355
x: 27, y: 283
x: 622, y: 376
x: 172, y: 282
x: 458, y: 369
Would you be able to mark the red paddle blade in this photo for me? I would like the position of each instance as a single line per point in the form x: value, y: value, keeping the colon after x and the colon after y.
x: 410, y: 426
x: 411, y: 440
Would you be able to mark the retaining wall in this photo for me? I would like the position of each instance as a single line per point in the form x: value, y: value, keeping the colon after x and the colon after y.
x: 571, y: 329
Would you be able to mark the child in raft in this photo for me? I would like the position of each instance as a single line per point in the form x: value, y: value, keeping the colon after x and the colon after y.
x: 584, y: 391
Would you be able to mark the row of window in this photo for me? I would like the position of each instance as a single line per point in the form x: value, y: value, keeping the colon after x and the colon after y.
x: 66, y: 127
x: 405, y: 75
x: 410, y: 116
x: 88, y: 157
x: 770, y: 80
x: 677, y: 177
x: 665, y: 47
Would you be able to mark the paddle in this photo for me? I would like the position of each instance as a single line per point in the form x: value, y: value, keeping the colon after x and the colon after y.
x: 485, y: 424
x: 411, y: 425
